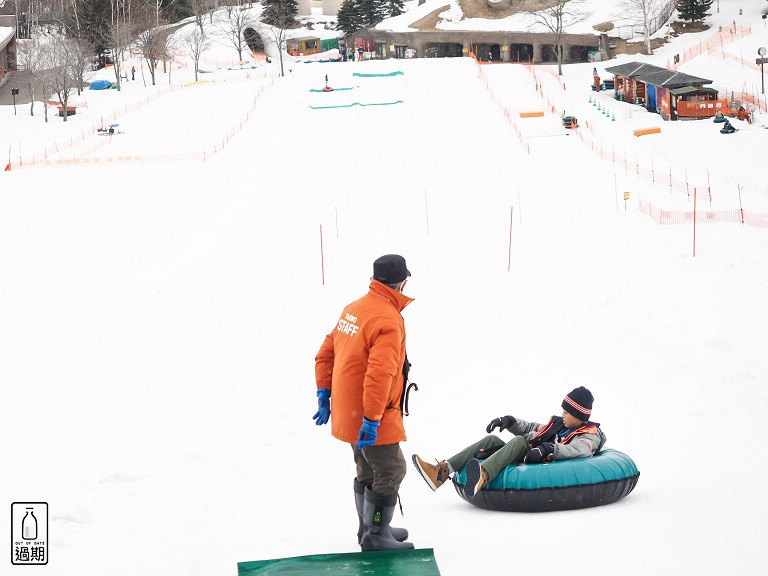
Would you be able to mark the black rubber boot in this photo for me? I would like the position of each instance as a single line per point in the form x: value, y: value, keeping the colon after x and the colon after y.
x: 377, y: 514
x: 400, y: 534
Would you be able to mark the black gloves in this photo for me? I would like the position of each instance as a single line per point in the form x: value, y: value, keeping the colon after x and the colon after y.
x: 503, y: 423
x: 540, y: 453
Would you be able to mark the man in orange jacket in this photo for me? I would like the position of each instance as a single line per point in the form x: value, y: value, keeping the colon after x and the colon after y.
x: 360, y: 371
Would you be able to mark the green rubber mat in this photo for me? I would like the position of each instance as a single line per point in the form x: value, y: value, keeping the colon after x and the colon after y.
x: 416, y: 562
x: 357, y: 104
x: 386, y: 75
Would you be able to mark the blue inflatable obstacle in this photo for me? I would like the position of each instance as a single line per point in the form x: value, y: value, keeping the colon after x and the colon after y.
x: 604, y: 478
x: 101, y: 85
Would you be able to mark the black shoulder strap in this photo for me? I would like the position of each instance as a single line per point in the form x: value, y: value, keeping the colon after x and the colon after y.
x: 406, y: 387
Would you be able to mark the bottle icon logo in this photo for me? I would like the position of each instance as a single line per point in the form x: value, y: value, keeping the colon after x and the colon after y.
x: 29, y: 525
x: 29, y: 533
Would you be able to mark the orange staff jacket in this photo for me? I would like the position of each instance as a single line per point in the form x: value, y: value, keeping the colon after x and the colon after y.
x: 361, y: 362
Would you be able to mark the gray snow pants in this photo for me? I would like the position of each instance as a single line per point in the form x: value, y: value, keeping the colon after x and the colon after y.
x: 380, y: 467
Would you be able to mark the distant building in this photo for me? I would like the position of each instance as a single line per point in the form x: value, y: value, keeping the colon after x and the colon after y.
x: 670, y: 93
x: 7, y: 47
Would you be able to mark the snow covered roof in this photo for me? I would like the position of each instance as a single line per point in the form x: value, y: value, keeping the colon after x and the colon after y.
x: 6, y: 33
x: 693, y: 90
x: 634, y: 69
x: 656, y: 75
x: 672, y: 79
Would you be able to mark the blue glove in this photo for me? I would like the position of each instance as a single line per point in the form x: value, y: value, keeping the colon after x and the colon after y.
x: 323, y: 406
x: 368, y: 433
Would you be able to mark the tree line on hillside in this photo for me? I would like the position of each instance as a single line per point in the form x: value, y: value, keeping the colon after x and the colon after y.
x: 60, y: 41
x: 355, y: 15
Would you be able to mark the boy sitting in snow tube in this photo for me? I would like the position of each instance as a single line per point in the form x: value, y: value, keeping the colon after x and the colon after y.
x: 727, y: 128
x: 565, y: 437
x: 719, y: 117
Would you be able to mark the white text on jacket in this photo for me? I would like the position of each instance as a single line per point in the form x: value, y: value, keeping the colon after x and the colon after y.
x: 347, y: 325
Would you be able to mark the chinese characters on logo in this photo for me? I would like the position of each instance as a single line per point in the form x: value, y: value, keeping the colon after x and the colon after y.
x: 29, y: 533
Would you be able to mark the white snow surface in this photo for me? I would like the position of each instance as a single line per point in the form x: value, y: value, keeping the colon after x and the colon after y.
x: 159, y: 317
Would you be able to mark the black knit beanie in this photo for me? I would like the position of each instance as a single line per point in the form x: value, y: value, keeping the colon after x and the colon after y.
x: 578, y: 403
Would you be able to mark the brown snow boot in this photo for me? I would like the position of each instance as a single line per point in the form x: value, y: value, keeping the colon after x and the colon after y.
x: 434, y: 475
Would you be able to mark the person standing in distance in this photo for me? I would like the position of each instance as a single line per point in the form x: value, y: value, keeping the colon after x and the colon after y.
x: 360, y: 376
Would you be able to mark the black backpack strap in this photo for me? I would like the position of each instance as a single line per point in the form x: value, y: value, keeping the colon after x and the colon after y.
x: 406, y: 388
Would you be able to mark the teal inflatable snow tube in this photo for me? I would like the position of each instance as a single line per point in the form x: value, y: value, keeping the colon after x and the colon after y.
x: 604, y: 478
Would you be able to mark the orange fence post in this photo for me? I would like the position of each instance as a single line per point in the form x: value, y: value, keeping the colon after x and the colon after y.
x: 322, y: 256
x: 694, y: 222
x: 509, y: 257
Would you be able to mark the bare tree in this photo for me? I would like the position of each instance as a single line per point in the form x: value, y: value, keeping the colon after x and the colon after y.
x: 281, y: 17
x: 196, y: 42
x: 557, y: 16
x: 117, y: 36
x: 61, y: 78
x: 644, y: 12
x: 279, y: 36
x: 232, y: 24
x: 200, y: 8
x: 32, y: 59
x: 81, y: 53
x: 151, y: 43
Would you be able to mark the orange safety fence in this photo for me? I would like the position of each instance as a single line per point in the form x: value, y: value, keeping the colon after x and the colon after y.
x: 660, y: 176
x: 662, y: 216
x: 714, y: 46
x: 52, y: 154
x: 508, y: 115
x: 714, y: 42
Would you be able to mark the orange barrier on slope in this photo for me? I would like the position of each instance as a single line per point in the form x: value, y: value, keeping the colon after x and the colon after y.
x: 7, y: 167
x: 534, y: 114
x: 644, y: 131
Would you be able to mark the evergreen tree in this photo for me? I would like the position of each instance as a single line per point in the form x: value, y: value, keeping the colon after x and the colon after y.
x: 93, y: 17
x: 395, y: 8
x: 372, y: 12
x: 175, y: 10
x: 693, y: 10
x: 280, y: 13
x: 355, y: 15
x: 348, y: 19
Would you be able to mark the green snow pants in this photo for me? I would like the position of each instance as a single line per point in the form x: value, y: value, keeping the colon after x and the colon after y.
x: 509, y: 453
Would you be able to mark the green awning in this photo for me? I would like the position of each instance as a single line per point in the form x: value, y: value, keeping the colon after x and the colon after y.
x: 329, y: 43
x: 692, y: 90
x: 415, y: 562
